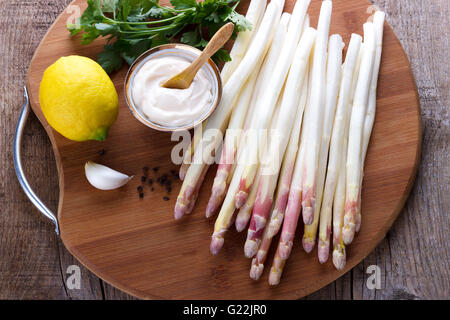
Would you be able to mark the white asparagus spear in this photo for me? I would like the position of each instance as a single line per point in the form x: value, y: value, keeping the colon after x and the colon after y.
x: 293, y: 207
x: 230, y: 146
x: 314, y: 125
x: 254, y: 14
x: 264, y: 75
x: 269, y: 63
x: 227, y: 162
x: 245, y: 212
x: 336, y: 147
x: 198, y: 132
x: 284, y: 183
x: 219, y: 119
x: 291, y: 217
x: 339, y: 253
x: 355, y: 140
x: 272, y: 158
x: 378, y: 23
x: 266, y: 106
x: 287, y: 169
x: 267, y: 100
x: 334, y: 69
x: 227, y: 211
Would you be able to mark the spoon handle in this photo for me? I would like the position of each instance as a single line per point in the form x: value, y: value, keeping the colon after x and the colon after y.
x: 216, y: 42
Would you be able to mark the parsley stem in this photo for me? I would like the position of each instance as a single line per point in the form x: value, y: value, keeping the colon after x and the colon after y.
x: 145, y: 22
x: 151, y: 30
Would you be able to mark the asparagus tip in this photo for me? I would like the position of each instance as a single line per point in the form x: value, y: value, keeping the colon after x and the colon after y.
x: 241, y: 198
x: 323, y: 251
x: 210, y: 209
x: 308, y: 244
x: 180, y: 209
x: 339, y: 258
x: 256, y: 270
x: 274, y: 227
x: 308, y: 215
x: 284, y: 249
x: 274, y: 277
x: 250, y: 248
x: 182, y: 172
x: 216, y: 244
x: 348, y: 233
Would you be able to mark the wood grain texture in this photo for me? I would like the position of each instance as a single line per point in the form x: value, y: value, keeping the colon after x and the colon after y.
x: 411, y: 268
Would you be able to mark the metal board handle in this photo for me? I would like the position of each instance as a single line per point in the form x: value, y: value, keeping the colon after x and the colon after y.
x: 18, y: 165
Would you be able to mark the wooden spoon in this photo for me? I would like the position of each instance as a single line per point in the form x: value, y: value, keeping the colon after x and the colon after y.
x: 183, y: 79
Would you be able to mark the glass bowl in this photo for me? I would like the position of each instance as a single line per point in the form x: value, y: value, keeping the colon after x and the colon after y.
x: 173, y: 49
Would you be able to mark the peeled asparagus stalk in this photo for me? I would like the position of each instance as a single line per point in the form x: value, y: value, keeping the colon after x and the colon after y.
x: 227, y: 211
x: 339, y: 253
x: 269, y: 63
x: 245, y: 212
x: 254, y: 14
x: 293, y: 208
x: 290, y: 219
x: 229, y: 147
x: 239, y: 115
x: 272, y: 158
x: 287, y: 169
x: 340, y: 126
x: 218, y: 121
x: 198, y: 132
x: 355, y: 141
x: 267, y: 100
x: 378, y: 23
x: 314, y: 125
x: 334, y: 68
x: 260, y: 121
x: 284, y: 183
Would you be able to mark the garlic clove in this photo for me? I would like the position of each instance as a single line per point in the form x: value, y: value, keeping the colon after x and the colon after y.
x: 104, y: 178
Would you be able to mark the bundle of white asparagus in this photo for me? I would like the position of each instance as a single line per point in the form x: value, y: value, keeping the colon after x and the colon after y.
x: 294, y: 124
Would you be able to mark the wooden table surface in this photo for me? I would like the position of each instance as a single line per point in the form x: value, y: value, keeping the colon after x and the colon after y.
x: 413, y: 258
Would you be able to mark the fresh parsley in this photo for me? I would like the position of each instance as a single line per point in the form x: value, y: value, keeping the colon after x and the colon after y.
x: 134, y: 26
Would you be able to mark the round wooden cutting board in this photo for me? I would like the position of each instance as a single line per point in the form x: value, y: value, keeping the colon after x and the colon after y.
x: 135, y: 244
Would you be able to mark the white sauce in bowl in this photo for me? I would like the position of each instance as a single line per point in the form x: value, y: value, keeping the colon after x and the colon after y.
x: 170, y: 107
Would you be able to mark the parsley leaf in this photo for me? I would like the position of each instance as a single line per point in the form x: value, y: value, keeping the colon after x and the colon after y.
x: 222, y: 55
x: 183, y: 4
x: 134, y: 26
x: 110, y: 59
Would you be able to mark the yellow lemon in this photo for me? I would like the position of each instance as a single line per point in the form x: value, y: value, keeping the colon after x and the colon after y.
x: 78, y: 98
